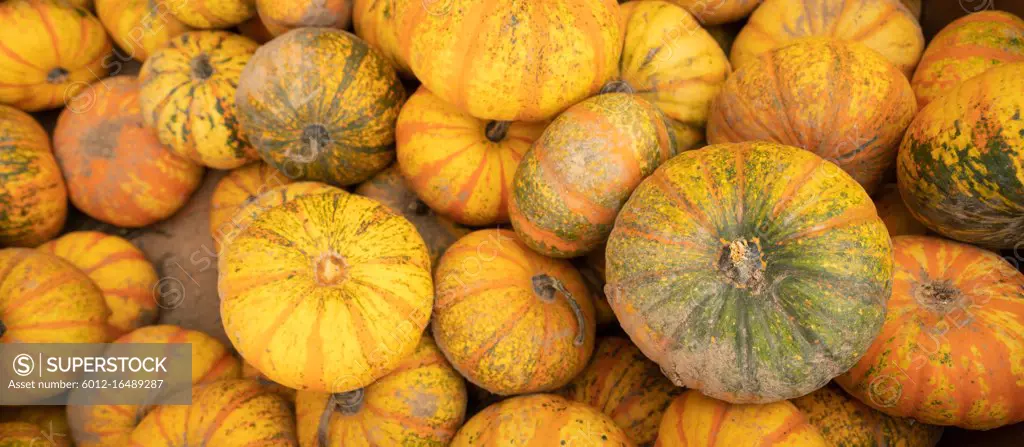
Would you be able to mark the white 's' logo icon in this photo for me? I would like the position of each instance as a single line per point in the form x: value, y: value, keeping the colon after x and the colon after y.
x: 23, y: 365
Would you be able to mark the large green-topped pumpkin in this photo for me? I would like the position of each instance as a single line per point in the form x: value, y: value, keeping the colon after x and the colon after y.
x: 754, y: 272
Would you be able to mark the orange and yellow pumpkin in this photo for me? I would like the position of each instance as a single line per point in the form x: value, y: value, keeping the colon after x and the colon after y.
x: 33, y: 197
x: 281, y: 16
x: 459, y: 165
x: 117, y: 170
x: 234, y: 191
x: 716, y: 12
x: 208, y: 14
x: 696, y: 420
x: 378, y: 22
x: 272, y: 198
x: 51, y: 419
x: 895, y: 214
x: 540, y: 419
x: 140, y: 27
x: 27, y: 434
x: 951, y: 350
x: 49, y: 51
x: 538, y: 338
x: 250, y: 372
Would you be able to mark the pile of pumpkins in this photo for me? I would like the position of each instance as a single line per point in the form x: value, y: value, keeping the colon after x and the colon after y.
x: 606, y: 224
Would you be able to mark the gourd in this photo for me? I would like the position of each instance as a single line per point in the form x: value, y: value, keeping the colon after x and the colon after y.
x: 280, y: 16
x: 694, y: 419
x: 139, y: 27
x: 33, y: 196
x: 27, y: 434
x: 238, y: 188
x: 716, y: 12
x: 208, y: 14
x: 544, y: 419
x: 378, y: 22
x: 51, y: 420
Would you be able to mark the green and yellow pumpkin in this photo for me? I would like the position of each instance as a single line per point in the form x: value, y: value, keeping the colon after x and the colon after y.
x: 140, y: 27
x: 540, y: 419
x: 33, y: 197
x: 234, y: 191
x: 377, y: 22
x: 696, y: 420
x: 281, y: 16
x: 895, y: 214
x: 716, y: 12
x: 209, y: 14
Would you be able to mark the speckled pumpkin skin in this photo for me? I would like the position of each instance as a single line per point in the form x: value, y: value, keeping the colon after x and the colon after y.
x: 139, y: 27
x: 121, y: 272
x: 272, y: 198
x: 526, y: 344
x: 961, y: 165
x: 51, y: 51
x: 840, y: 100
x: 33, y: 197
x: 886, y: 26
x: 572, y: 182
x: 27, y: 434
x: 952, y: 348
x: 524, y: 60
x: 117, y: 170
x: 421, y: 403
x: 626, y: 386
x: 700, y: 421
x: 448, y: 159
x: 845, y: 421
x: 754, y: 272
x: 209, y: 14
x: 228, y: 413
x: 281, y: 16
x: 51, y: 419
x: 321, y: 105
x: 895, y: 214
x: 378, y: 22
x: 112, y: 425
x: 540, y: 419
x: 716, y: 12
x: 239, y: 188
x: 966, y: 48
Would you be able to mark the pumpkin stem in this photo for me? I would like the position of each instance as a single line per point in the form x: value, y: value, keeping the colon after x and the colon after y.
x: 201, y: 68
x: 616, y: 86
x: 545, y: 286
x: 939, y: 296
x: 346, y: 403
x: 497, y: 130
x: 330, y: 268
x: 57, y: 76
x: 741, y: 262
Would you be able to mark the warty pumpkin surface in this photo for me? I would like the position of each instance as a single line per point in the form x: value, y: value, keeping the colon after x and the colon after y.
x: 320, y: 104
x: 50, y: 52
x: 422, y: 402
x: 840, y: 100
x: 281, y: 16
x: 537, y: 339
x: 961, y: 165
x: 27, y: 434
x: 521, y: 60
x: 572, y: 182
x: 325, y: 292
x: 952, y: 348
x: 895, y: 214
x: 118, y: 172
x: 459, y: 165
x: 234, y: 191
x: 540, y: 419
x: 754, y: 272
x: 33, y: 196
x: 716, y: 12
x: 140, y: 27
x: 208, y: 14
x: 378, y: 22
x: 886, y: 26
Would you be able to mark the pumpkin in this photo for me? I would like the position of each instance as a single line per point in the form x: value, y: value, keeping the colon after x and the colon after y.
x: 377, y: 23
x: 27, y: 434
x: 626, y: 386
x: 961, y: 164
x: 50, y: 52
x: 51, y: 419
x: 33, y: 197
x: 139, y: 27
x: 112, y: 425
x: 276, y: 197
x: 512, y: 61
x: 314, y: 121
x: 754, y: 272
x: 228, y: 413
x: 538, y: 338
x: 885, y: 26
x: 188, y: 97
x: 255, y: 30
x: 239, y: 188
x: 459, y: 165
x: 280, y: 16
x: 571, y: 183
x: 422, y: 402
x: 694, y: 419
x: 965, y: 48
x: 951, y: 348
x: 389, y: 188
x: 779, y: 96
x: 895, y: 214
x: 250, y: 372
x: 119, y: 270
x: 673, y: 63
x: 211, y: 13
x: 325, y: 292
x: 117, y: 170
x: 843, y: 420
x: 716, y: 12
x: 540, y: 419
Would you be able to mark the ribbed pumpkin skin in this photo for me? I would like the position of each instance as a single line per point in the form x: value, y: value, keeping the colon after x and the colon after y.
x: 51, y: 52
x: 228, y: 413
x: 961, y: 165
x: 840, y: 100
x: 273, y: 198
x: 325, y: 292
x: 895, y: 214
x: 715, y: 12
x: 448, y: 159
x: 952, y: 348
x: 112, y: 425
x: 281, y: 16
x: 140, y: 27
x: 119, y: 270
x: 188, y: 97
x: 27, y: 434
x: 117, y: 170
x: 377, y: 22
x: 522, y: 60
x: 845, y: 421
x: 208, y: 14
x: 626, y: 386
x: 33, y: 197
x: 51, y: 419
x: 754, y: 272
x: 421, y: 403
x: 239, y: 188
x: 572, y: 182
x: 320, y: 104
x: 966, y: 48
x: 540, y: 419
x: 528, y: 342
x: 886, y: 26
x: 700, y: 421
x: 673, y: 63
